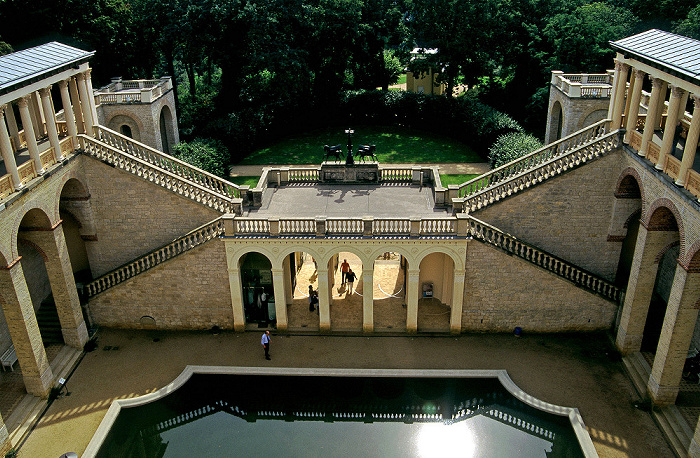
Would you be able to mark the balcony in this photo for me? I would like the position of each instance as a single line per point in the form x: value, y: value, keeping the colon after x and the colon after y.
x: 584, y: 85
x: 132, y: 91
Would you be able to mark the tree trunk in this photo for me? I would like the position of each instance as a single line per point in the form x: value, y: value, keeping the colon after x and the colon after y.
x: 189, y: 68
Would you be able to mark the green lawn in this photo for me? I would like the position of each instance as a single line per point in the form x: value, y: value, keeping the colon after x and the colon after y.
x: 394, y: 145
x: 244, y: 180
x: 456, y: 179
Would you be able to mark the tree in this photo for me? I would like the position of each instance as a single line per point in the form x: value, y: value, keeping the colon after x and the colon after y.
x: 392, y: 69
x: 511, y: 146
x: 206, y: 153
x: 690, y: 26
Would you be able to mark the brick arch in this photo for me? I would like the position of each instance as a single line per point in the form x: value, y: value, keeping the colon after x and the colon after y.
x: 583, y: 120
x: 49, y: 224
x: 44, y: 256
x: 556, y: 118
x: 253, y: 249
x: 692, y: 258
x: 663, y: 251
x: 394, y: 249
x: 636, y: 215
x: 349, y: 249
x: 622, y: 190
x: 458, y: 262
x: 80, y: 194
x: 650, y: 222
x: 129, y: 115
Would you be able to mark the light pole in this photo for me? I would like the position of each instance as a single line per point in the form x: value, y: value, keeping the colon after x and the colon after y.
x: 349, y: 159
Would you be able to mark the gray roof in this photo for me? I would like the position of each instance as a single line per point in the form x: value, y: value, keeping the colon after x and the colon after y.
x: 675, y: 54
x: 24, y: 67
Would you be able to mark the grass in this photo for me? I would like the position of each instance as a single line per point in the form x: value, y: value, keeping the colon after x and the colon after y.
x: 402, y: 79
x: 394, y: 145
x: 245, y: 180
x: 457, y: 179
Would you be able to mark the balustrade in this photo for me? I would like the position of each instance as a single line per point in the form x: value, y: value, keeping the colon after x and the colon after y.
x: 48, y: 158
x: 537, y: 166
x: 672, y: 167
x: 6, y: 186
x: 396, y: 174
x: 304, y: 175
x: 27, y: 172
x: 289, y: 226
x: 344, y: 226
x: 119, y: 91
x: 160, y: 175
x: 188, y: 241
x: 391, y: 226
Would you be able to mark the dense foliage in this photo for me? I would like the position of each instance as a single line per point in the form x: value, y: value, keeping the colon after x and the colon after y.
x: 207, y: 154
x: 249, y: 71
x: 511, y: 146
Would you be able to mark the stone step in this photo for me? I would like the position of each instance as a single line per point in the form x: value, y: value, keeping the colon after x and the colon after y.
x: 675, y: 428
x: 638, y: 370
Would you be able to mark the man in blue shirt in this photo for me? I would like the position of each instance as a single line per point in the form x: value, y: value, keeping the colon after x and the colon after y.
x: 265, y: 341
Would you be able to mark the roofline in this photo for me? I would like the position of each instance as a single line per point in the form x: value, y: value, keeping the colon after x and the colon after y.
x: 20, y: 82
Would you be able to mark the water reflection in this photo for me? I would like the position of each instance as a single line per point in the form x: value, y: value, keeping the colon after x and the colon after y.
x: 224, y: 415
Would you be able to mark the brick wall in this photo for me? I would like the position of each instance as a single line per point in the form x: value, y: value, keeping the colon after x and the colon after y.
x: 568, y: 216
x: 502, y: 292
x: 133, y: 216
x: 190, y: 291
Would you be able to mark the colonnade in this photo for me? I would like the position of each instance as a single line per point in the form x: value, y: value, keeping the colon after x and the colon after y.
x: 38, y: 121
x: 283, y: 294
x: 626, y: 100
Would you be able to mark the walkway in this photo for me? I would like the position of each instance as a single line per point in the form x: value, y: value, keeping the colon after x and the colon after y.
x: 569, y: 370
x: 449, y: 169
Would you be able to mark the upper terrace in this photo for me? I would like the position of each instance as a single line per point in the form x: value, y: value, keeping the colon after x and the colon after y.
x: 132, y: 91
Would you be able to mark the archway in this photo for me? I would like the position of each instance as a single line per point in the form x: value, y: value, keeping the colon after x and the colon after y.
x: 556, y: 122
x: 628, y: 209
x: 389, y: 292
x: 257, y: 290
x: 167, y: 135
x: 435, y: 292
x: 125, y: 130
x: 300, y: 272
x: 346, y: 303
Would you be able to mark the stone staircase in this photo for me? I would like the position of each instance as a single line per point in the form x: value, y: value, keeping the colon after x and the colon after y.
x: 545, y: 163
x: 49, y: 323
x: 192, y: 239
x: 162, y: 169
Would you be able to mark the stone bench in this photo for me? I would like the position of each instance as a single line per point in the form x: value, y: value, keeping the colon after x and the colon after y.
x: 9, y: 358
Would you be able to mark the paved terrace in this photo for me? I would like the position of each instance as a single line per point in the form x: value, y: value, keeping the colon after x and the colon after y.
x: 352, y: 200
x: 568, y: 370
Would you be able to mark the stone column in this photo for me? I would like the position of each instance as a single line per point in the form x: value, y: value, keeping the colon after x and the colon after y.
x: 29, y: 133
x: 676, y: 335
x: 324, y: 299
x: 412, y: 300
x: 6, y: 149
x: 12, y: 126
x: 694, y: 449
x: 85, y: 102
x: 5, y: 442
x: 633, y: 113
x: 280, y: 298
x: 37, y: 116
x: 65, y: 294
x: 613, y: 92
x: 91, y: 94
x: 234, y: 280
x: 68, y: 111
x: 640, y: 287
x: 24, y: 330
x: 50, y: 115
x: 691, y: 143
x: 671, y: 120
x: 367, y: 300
x: 653, y: 112
x: 77, y: 110
x: 620, y: 88
x: 457, y: 300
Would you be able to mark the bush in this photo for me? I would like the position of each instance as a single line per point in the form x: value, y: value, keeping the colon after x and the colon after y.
x: 205, y: 153
x: 512, y: 146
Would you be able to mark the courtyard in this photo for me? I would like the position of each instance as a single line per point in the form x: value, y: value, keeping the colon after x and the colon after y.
x: 575, y: 370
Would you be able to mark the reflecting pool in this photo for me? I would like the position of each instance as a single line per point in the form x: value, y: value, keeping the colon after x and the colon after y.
x: 293, y: 415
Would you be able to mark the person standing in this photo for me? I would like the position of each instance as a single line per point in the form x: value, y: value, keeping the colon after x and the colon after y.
x: 265, y: 341
x: 344, y: 269
x: 350, y: 277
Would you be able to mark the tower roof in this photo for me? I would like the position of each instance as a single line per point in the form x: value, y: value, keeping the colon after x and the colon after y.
x: 674, y: 54
x: 24, y: 67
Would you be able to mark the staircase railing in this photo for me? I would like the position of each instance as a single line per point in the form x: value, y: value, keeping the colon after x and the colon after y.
x: 166, y: 162
x: 178, y: 246
x: 535, y: 167
x: 582, y: 278
x: 153, y: 172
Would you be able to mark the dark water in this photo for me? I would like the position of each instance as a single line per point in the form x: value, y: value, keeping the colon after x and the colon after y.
x: 239, y: 415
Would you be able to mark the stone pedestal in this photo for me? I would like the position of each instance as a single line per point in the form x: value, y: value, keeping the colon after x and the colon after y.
x: 335, y: 172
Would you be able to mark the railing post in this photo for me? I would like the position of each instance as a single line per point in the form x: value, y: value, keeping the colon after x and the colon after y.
x: 367, y: 226
x: 462, y: 225
x: 452, y: 192
x: 320, y: 226
x: 283, y: 176
x: 415, y: 226
x: 274, y: 227
x: 416, y: 176
x: 244, y: 190
x: 229, y: 226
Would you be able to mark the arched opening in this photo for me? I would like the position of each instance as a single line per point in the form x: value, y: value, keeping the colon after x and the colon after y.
x: 165, y: 121
x: 661, y: 220
x: 300, y: 274
x: 257, y: 290
x: 389, y: 275
x: 125, y: 130
x: 76, y: 214
x: 346, y: 297
x: 629, y: 204
x: 435, y: 292
x: 33, y: 261
x: 556, y: 123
